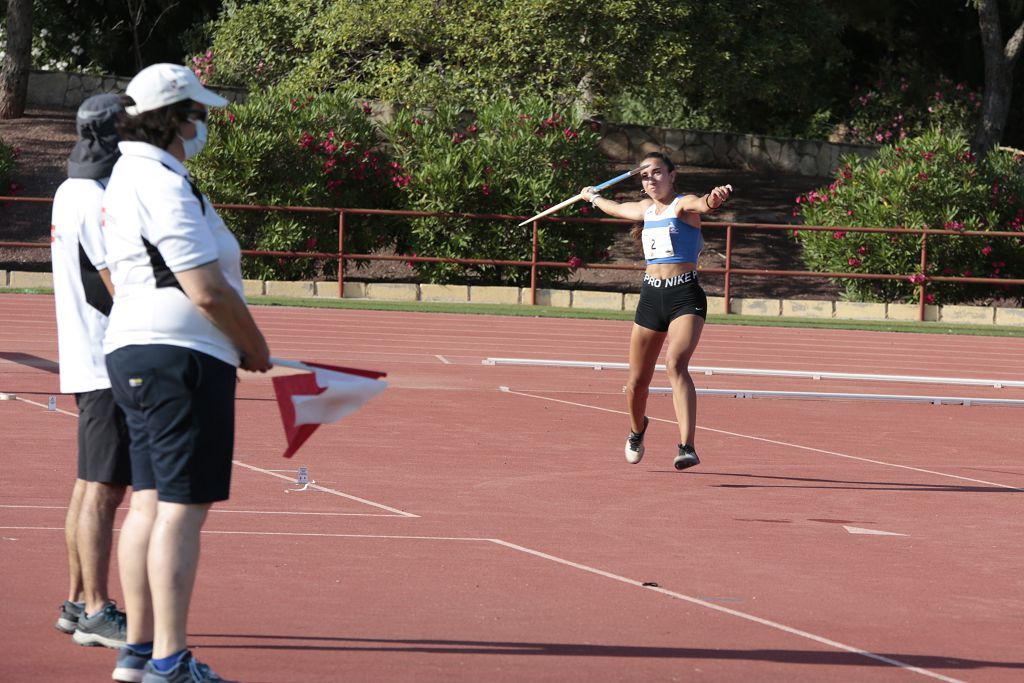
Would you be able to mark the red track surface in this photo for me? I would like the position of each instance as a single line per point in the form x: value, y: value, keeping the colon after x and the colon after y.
x: 462, y: 533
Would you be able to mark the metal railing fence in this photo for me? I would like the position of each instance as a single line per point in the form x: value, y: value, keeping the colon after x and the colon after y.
x: 728, y: 271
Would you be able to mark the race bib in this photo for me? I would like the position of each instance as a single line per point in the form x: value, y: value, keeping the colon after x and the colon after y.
x: 657, y: 243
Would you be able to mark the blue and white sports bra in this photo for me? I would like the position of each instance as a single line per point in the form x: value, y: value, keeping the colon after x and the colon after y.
x: 669, y: 239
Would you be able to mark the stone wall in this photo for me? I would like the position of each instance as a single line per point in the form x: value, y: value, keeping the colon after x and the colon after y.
x: 629, y: 143
x: 68, y: 90
x: 586, y: 299
x: 622, y: 143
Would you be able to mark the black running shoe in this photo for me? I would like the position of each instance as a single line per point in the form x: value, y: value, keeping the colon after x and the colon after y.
x: 687, y: 457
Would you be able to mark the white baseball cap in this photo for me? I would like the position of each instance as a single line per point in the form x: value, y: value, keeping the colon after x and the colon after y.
x: 161, y: 84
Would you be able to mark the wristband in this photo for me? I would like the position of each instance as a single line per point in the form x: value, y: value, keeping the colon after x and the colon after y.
x: 593, y: 200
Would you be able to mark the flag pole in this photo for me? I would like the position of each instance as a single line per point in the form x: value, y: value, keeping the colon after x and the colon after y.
x: 597, y: 188
x: 297, y: 365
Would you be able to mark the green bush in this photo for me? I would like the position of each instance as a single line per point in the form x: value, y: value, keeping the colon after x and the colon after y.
x: 504, y: 158
x: 286, y: 148
x: 898, y: 106
x: 928, y: 181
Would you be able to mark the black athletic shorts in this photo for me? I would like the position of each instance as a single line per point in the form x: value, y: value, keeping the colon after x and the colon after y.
x: 102, y: 439
x: 662, y: 300
x: 180, y: 408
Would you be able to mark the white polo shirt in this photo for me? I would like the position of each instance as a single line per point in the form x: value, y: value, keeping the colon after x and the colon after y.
x: 155, y: 225
x: 82, y: 300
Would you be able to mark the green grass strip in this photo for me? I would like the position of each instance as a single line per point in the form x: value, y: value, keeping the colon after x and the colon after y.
x: 524, y: 311
x: 595, y: 314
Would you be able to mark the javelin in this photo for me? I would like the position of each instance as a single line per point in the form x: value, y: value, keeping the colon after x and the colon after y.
x: 597, y: 188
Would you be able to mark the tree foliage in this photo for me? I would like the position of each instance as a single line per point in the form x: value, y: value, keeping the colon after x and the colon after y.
x: 503, y: 158
x: 292, y: 148
x: 745, y: 64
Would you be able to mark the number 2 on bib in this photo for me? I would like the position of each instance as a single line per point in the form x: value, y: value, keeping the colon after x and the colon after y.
x: 657, y: 243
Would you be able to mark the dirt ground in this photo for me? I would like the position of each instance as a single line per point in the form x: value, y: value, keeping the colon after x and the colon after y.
x: 45, y: 136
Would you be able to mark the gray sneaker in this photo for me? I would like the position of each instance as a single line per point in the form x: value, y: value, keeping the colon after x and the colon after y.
x: 107, y: 628
x: 187, y: 670
x: 130, y: 665
x: 67, y: 622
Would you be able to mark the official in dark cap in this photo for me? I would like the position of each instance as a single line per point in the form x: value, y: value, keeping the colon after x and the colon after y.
x: 83, y: 296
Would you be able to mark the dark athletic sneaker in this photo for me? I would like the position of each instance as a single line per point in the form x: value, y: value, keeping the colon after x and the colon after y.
x: 687, y: 457
x: 187, y: 670
x: 67, y: 622
x: 635, y: 445
x: 107, y: 628
x: 130, y: 665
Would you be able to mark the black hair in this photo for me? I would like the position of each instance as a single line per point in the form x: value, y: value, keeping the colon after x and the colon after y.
x: 157, y: 127
x: 664, y: 158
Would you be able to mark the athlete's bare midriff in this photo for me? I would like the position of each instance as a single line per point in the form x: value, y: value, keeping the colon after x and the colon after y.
x: 664, y: 270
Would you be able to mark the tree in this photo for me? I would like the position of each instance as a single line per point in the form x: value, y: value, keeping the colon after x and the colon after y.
x: 749, y: 64
x: 17, y: 61
x: 1000, y: 60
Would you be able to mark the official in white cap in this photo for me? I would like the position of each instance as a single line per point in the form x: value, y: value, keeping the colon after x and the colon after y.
x: 179, y: 329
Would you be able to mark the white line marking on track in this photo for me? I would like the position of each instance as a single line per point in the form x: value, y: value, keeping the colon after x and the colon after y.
x: 334, y: 492
x: 442, y: 359
x: 315, y: 514
x: 43, y: 405
x: 216, y: 510
x: 773, y: 441
x: 767, y: 372
x: 870, y: 532
x: 828, y: 642
x: 273, y: 473
x: 732, y: 612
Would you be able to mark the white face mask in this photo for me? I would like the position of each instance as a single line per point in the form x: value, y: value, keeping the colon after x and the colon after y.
x: 195, y: 145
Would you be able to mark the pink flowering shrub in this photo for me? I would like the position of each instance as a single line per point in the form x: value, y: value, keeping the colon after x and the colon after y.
x: 896, y: 107
x: 932, y: 180
x: 287, y: 148
x: 511, y: 157
x: 203, y: 67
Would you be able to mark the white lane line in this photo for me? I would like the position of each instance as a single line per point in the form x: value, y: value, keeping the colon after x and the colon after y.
x: 401, y: 513
x: 731, y: 612
x: 334, y: 492
x: 773, y: 441
x: 870, y: 532
x: 43, y: 405
x: 216, y: 510
x: 828, y: 642
x: 765, y: 372
x: 442, y: 359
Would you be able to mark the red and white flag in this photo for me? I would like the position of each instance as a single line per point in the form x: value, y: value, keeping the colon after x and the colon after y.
x: 326, y: 394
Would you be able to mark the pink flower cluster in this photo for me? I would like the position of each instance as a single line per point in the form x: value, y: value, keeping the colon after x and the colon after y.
x: 344, y: 163
x: 814, y: 196
x: 202, y: 67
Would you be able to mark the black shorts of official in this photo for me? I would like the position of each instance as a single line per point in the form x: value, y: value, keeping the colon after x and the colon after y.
x: 665, y: 299
x: 180, y: 408
x: 102, y: 439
